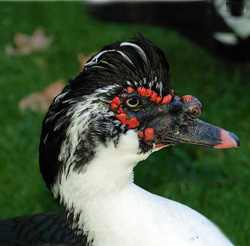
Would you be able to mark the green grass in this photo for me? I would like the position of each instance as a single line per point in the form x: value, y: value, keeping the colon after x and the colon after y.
x: 213, y: 182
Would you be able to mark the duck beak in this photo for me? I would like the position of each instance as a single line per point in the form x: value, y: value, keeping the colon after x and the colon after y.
x: 198, y: 132
x: 182, y: 126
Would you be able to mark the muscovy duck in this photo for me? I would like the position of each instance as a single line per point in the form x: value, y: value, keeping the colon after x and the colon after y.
x: 115, y: 113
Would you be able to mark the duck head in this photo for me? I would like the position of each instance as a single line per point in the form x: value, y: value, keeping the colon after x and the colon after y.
x: 116, y: 112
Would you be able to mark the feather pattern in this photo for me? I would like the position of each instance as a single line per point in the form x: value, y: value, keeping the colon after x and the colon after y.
x: 94, y: 134
x: 46, y: 229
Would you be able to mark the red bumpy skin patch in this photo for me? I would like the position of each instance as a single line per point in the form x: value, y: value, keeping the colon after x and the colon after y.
x: 159, y: 145
x: 120, y: 110
x: 117, y: 101
x: 123, y: 96
x: 142, y: 91
x: 113, y: 105
x: 149, y: 133
x: 153, y: 97
x: 149, y: 93
x: 166, y: 99
x: 194, y: 107
x: 158, y: 100
x: 131, y: 123
x: 141, y: 134
x: 187, y: 98
x: 130, y: 89
x: 121, y: 115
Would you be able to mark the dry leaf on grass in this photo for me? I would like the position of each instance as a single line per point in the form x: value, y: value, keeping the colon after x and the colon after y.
x: 25, y: 44
x: 35, y: 101
x: 82, y: 59
x: 40, y: 101
x: 53, y: 89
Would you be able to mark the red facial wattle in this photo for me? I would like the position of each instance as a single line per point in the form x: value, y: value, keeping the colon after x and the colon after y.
x: 130, y: 123
x: 147, y: 134
x: 171, y: 120
x: 121, y: 114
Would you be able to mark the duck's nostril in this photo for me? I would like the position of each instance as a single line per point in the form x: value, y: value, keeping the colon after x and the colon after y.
x: 193, y: 107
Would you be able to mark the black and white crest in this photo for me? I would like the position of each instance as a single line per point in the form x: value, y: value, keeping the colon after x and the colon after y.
x: 78, y: 117
x: 113, y: 115
x: 134, y: 63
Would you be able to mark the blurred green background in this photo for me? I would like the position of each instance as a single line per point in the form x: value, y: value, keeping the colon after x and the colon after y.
x: 213, y: 182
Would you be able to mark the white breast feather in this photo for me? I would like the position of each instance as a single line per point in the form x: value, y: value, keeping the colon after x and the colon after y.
x: 114, y: 211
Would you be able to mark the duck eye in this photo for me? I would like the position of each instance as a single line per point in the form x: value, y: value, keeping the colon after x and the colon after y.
x: 133, y: 102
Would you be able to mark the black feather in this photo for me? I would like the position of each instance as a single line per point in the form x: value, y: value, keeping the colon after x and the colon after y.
x: 39, y: 230
x: 111, y: 68
x: 119, y: 70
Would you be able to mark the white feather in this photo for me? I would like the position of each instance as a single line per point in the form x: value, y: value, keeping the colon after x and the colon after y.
x: 138, y: 48
x: 94, y: 60
x: 114, y: 211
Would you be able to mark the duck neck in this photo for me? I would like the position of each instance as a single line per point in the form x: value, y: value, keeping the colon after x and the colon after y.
x: 84, y: 193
